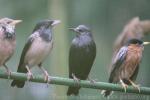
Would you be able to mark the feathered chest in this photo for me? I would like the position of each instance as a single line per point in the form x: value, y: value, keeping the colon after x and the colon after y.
x: 82, y: 41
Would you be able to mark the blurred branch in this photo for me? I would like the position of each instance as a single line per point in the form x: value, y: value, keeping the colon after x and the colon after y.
x: 71, y: 82
x: 145, y: 24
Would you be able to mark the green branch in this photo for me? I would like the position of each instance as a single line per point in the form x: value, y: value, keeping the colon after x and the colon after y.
x: 82, y: 83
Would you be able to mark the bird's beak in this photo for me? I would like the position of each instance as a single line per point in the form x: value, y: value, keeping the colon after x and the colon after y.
x: 14, y: 22
x: 55, y: 22
x: 72, y: 29
x: 146, y: 43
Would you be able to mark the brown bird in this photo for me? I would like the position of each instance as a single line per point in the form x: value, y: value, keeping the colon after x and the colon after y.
x: 135, y: 28
x: 7, y: 40
x: 126, y: 64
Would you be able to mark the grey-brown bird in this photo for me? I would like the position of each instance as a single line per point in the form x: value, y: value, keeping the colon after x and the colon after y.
x: 36, y: 50
x: 7, y: 40
x: 125, y: 64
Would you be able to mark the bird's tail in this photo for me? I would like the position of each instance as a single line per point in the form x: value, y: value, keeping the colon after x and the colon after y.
x: 73, y: 90
x: 18, y: 83
x: 106, y: 93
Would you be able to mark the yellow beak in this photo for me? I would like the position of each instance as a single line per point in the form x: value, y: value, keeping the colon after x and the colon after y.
x: 146, y: 43
x: 14, y: 22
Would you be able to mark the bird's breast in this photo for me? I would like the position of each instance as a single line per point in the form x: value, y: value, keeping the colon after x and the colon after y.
x: 134, y: 55
x: 7, y: 48
x: 82, y: 41
x: 38, y: 51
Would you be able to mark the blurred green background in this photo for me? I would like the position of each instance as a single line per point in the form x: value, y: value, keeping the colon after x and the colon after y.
x: 106, y: 18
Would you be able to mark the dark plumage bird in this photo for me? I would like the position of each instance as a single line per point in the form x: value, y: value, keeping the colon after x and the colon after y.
x: 7, y: 40
x: 36, y: 49
x: 81, y: 56
x: 126, y: 64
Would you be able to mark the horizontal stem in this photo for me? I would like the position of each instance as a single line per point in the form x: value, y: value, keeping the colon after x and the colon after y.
x: 71, y: 82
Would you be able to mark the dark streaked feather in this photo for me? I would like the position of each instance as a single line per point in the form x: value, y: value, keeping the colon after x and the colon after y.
x: 120, y: 57
x: 21, y: 67
x: 25, y: 49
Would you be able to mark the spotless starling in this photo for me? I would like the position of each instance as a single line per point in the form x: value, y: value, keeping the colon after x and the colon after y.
x: 36, y: 49
x: 7, y: 40
x: 125, y: 65
x: 81, y: 56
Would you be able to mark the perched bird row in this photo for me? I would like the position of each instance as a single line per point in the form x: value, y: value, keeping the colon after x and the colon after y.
x: 81, y: 56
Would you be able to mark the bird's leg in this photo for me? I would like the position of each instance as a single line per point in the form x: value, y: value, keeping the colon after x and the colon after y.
x: 91, y: 80
x: 123, y: 85
x: 7, y: 70
x: 135, y: 85
x: 46, y: 75
x: 75, y: 78
x: 29, y: 74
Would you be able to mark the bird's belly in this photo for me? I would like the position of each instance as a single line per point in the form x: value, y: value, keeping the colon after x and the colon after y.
x: 38, y: 52
x: 129, y: 67
x: 7, y: 49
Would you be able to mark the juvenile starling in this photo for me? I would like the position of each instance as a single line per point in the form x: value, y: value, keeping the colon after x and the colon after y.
x: 81, y: 56
x: 7, y: 40
x: 35, y: 51
x: 126, y: 64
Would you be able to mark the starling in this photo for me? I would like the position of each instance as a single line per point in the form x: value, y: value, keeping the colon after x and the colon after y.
x: 7, y: 40
x: 35, y: 51
x: 125, y: 65
x: 81, y: 56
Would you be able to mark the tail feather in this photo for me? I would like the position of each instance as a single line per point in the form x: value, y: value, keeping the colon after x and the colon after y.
x: 106, y: 93
x: 73, y: 90
x: 17, y: 83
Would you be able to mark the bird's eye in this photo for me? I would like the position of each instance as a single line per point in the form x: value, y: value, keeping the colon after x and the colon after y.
x: 8, y: 22
x: 80, y: 30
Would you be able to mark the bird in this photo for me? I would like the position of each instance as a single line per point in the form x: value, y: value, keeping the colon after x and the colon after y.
x: 126, y: 63
x: 36, y: 50
x: 7, y: 41
x: 81, y: 56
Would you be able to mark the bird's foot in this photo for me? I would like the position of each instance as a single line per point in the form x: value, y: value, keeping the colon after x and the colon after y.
x: 8, y: 71
x: 125, y: 86
x: 77, y: 80
x: 46, y: 77
x: 29, y: 76
x: 135, y: 85
x: 92, y: 80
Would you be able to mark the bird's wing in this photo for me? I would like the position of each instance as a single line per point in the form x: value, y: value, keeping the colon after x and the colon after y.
x: 118, y: 60
x: 80, y: 61
x: 21, y: 67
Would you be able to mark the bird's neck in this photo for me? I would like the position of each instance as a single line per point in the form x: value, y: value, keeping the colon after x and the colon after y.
x: 46, y: 35
x: 84, y: 34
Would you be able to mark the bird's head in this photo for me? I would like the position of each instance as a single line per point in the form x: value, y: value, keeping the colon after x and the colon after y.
x: 137, y: 42
x: 80, y: 29
x: 46, y: 24
x: 8, y: 26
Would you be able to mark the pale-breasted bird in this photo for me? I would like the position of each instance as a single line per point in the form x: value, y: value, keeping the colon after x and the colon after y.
x: 81, y: 56
x: 125, y: 65
x: 35, y: 51
x: 7, y: 40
